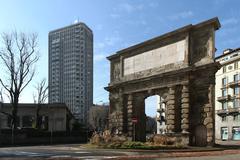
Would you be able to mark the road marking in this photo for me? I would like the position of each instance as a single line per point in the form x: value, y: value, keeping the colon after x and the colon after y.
x: 96, y: 157
x: 81, y: 152
x: 30, y: 154
x: 109, y: 157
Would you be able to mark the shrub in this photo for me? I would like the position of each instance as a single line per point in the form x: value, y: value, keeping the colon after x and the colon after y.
x: 163, y: 140
x: 96, y: 139
x: 114, y: 145
x: 129, y: 144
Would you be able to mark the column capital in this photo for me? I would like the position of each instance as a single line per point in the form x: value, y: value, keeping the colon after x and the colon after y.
x: 130, y: 96
x: 171, y: 90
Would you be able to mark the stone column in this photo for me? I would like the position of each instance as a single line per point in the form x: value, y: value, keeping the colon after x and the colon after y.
x: 120, y: 112
x: 170, y: 117
x: 185, y: 109
x: 208, y: 112
x: 129, y: 114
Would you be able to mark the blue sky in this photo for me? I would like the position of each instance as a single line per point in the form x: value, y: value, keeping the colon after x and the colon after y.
x: 116, y: 24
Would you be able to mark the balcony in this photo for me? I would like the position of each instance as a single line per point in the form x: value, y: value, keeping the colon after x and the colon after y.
x: 228, y: 111
x: 234, y: 84
x: 234, y: 110
x: 237, y: 96
x: 222, y: 112
x: 224, y: 98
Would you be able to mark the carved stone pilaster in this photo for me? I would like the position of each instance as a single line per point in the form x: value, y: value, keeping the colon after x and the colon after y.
x: 185, y: 109
x: 120, y: 112
x: 170, y: 117
x: 130, y: 113
x: 209, y: 115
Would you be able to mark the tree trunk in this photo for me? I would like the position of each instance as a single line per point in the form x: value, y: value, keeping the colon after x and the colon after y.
x: 38, y: 120
x: 14, y: 112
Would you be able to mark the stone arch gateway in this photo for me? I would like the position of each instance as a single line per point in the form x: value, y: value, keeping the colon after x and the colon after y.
x: 178, y: 66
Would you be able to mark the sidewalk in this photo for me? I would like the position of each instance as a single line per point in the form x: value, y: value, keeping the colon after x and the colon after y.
x: 178, y: 154
x: 228, y: 143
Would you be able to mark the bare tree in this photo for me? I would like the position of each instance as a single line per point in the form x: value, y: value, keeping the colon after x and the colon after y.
x: 98, y: 116
x: 1, y: 104
x: 40, y: 98
x: 18, y: 54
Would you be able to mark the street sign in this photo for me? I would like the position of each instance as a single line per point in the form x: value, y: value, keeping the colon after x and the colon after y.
x: 134, y: 120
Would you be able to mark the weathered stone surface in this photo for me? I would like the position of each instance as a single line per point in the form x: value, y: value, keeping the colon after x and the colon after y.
x: 208, y: 106
x: 171, y: 117
x: 206, y: 109
x: 185, y: 105
x: 185, y: 111
x: 209, y: 139
x: 210, y: 133
x: 185, y: 90
x: 129, y: 103
x: 184, y: 126
x: 171, y: 97
x: 170, y: 102
x: 170, y: 112
x: 170, y: 127
x: 170, y: 122
x: 185, y: 115
x: 184, y: 121
x: 185, y: 100
x: 185, y: 95
x: 171, y: 91
x: 207, y: 120
x: 170, y: 107
x: 209, y: 125
x: 130, y: 97
x: 209, y: 114
x: 130, y: 111
x: 179, y: 79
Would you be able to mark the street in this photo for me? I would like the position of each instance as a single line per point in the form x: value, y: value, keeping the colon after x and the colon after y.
x: 77, y: 151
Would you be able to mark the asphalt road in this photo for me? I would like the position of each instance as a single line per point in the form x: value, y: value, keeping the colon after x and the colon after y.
x: 60, y: 151
x: 76, y: 151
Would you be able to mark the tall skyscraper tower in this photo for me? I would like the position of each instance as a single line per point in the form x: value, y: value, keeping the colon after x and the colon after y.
x: 71, y: 68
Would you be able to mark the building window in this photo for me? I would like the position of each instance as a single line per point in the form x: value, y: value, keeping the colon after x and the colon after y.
x: 44, y: 122
x: 236, y: 133
x: 236, y: 90
x: 224, y: 105
x: 224, y: 92
x: 236, y: 103
x: 224, y: 69
x: 235, y: 65
x: 27, y: 121
x: 224, y: 133
x: 236, y: 77
x: 224, y: 118
x: 224, y: 81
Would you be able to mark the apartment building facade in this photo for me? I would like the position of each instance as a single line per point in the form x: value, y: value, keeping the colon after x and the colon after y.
x: 227, y: 96
x: 71, y: 68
